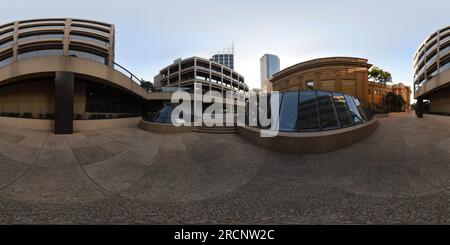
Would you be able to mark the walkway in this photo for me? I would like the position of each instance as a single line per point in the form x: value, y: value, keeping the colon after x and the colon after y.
x: 401, y: 173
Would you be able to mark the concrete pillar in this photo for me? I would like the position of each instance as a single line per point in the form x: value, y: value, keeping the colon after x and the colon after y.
x: 64, y: 102
x: 419, y: 107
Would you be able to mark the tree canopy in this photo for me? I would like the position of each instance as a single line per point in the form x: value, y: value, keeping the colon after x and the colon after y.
x: 147, y: 86
x: 380, y: 75
x: 394, y: 101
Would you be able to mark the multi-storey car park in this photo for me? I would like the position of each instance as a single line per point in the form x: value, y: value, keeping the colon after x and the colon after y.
x: 432, y: 73
x: 183, y: 73
x: 59, y: 70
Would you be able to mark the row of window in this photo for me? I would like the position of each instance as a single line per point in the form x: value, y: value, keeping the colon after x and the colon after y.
x: 200, y: 64
x: 430, y: 45
x: 6, y: 43
x: 52, y: 50
x: 432, y: 71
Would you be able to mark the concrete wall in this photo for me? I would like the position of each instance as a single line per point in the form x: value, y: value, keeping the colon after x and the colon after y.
x: 309, y: 143
x: 165, y: 128
x: 88, y: 125
x: 35, y: 124
x: 440, y: 101
x: 78, y: 125
x: 433, y: 84
x: 92, y: 69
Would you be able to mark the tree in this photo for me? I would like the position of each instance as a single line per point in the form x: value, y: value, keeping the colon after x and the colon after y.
x: 394, y: 102
x: 147, y: 86
x: 380, y: 75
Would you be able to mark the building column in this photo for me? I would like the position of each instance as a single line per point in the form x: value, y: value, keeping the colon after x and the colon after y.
x: 419, y: 107
x: 64, y: 102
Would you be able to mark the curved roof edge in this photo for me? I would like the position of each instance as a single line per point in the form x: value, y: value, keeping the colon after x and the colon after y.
x: 326, y: 61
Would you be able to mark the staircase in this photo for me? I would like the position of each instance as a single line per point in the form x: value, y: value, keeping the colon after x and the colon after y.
x: 215, y: 130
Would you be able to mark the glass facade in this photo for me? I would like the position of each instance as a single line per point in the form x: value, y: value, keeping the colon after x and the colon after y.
x: 342, y: 110
x: 300, y: 111
x: 39, y: 53
x: 88, y: 56
x: 224, y: 59
x: 289, y: 112
x: 311, y: 110
x: 309, y: 116
x: 269, y: 65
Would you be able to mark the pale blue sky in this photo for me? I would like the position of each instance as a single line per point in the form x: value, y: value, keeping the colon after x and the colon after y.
x: 151, y: 34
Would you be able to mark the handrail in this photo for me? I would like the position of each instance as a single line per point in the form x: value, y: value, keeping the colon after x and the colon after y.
x: 129, y: 74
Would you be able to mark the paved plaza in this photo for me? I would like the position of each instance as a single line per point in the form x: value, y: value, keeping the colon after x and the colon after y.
x: 399, y: 174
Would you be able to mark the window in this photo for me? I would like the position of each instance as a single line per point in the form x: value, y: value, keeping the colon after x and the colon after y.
x: 342, y: 110
x: 289, y: 111
x: 88, y: 56
x: 327, y: 111
x: 365, y: 115
x: 6, y: 59
x: 6, y: 43
x: 310, y: 84
x: 88, y: 53
x: 87, y: 38
x: 308, y: 119
x: 40, y: 51
x: 41, y: 36
x: 354, y: 113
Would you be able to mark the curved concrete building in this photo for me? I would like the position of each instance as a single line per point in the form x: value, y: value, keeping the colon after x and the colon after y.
x: 64, y: 69
x: 183, y: 73
x: 432, y: 74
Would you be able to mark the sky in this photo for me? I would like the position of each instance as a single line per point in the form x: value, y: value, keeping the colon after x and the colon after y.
x: 150, y: 34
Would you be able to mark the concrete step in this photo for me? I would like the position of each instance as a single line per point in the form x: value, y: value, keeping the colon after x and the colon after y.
x: 215, y: 130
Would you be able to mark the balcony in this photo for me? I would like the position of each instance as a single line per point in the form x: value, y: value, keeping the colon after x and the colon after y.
x: 431, y: 61
x: 444, y: 40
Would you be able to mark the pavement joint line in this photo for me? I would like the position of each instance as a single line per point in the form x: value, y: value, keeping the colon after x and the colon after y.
x: 87, y: 175
x: 29, y: 166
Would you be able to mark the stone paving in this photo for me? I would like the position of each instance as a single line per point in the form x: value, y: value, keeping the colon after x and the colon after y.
x: 399, y: 174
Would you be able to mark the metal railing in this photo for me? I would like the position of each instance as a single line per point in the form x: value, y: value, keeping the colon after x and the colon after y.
x: 126, y: 72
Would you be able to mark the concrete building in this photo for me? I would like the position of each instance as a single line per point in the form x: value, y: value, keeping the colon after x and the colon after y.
x: 183, y: 73
x: 432, y: 74
x: 269, y: 65
x: 61, y: 70
x: 225, y: 57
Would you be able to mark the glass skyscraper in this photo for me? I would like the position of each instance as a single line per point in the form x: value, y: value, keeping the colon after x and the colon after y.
x: 269, y: 65
x: 225, y: 57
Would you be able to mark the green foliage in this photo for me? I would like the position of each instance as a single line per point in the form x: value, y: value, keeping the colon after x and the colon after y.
x: 379, y: 75
x: 148, y: 86
x: 97, y: 116
x: 27, y: 115
x: 394, y: 102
